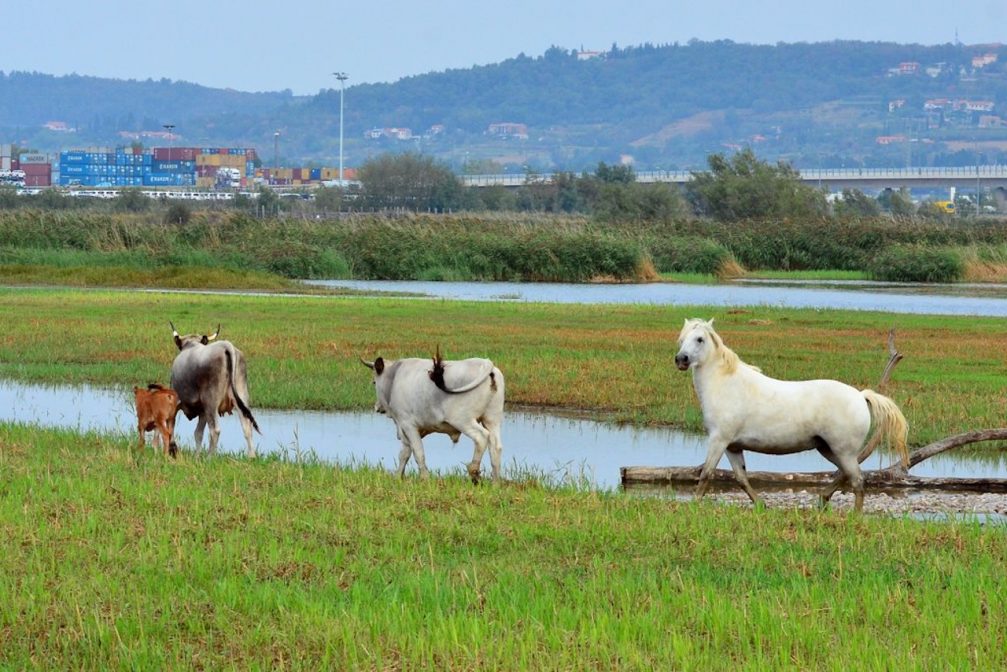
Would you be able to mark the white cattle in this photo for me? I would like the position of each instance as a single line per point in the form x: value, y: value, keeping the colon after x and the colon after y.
x: 448, y: 397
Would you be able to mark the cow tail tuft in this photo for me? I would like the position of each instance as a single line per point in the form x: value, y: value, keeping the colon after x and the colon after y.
x: 237, y: 397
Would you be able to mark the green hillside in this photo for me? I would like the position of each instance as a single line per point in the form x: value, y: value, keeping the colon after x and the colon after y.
x: 666, y: 106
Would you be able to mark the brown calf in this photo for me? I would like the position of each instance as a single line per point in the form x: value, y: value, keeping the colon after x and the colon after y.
x: 156, y: 408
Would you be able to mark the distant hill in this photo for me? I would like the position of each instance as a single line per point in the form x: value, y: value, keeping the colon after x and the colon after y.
x: 665, y: 106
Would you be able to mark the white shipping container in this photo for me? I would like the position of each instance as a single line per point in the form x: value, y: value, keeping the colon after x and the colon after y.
x: 5, y: 163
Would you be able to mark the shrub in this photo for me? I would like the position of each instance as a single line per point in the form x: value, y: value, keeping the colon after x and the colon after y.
x: 917, y: 263
x: 688, y: 254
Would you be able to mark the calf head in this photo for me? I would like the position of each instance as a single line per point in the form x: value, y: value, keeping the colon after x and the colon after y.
x: 184, y: 342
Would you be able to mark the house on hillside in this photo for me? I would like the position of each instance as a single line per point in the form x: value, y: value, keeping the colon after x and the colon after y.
x: 393, y: 133
x: 507, y: 129
x: 889, y: 139
x: 981, y: 61
x: 58, y: 126
x: 904, y: 68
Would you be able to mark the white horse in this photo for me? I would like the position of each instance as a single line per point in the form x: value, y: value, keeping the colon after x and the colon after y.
x: 743, y: 409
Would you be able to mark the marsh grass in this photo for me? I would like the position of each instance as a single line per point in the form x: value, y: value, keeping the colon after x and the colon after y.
x: 612, y: 361
x: 918, y: 263
x: 533, y: 247
x: 113, y: 559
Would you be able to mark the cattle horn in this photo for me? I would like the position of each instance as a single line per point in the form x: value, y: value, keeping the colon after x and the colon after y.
x: 174, y: 331
x: 215, y: 334
x: 369, y: 365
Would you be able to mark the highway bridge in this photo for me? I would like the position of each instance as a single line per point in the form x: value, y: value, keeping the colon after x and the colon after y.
x: 833, y: 179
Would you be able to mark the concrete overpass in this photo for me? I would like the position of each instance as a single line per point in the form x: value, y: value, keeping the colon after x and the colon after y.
x: 832, y: 179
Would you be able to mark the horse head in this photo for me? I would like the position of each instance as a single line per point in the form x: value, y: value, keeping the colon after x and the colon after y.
x: 697, y: 343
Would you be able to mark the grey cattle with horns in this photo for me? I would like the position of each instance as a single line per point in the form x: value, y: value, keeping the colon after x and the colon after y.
x: 448, y: 397
x: 211, y: 379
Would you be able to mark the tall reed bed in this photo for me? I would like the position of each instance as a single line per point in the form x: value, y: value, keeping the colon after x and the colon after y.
x: 502, y: 247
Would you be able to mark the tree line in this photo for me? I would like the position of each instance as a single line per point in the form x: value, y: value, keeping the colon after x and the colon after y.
x: 733, y: 188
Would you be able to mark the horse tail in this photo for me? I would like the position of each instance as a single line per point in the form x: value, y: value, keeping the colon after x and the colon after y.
x: 889, y: 425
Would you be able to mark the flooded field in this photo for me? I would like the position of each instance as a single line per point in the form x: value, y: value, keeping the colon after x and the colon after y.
x: 961, y: 299
x: 562, y: 447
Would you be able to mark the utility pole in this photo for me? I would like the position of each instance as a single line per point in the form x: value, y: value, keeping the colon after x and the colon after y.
x: 276, y: 156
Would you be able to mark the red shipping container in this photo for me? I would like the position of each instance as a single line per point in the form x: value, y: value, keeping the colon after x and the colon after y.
x: 37, y: 168
x: 37, y: 180
x: 175, y: 153
x: 14, y: 163
x: 206, y: 171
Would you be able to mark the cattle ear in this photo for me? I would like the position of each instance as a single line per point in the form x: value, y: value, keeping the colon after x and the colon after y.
x: 178, y: 341
x: 379, y: 365
x: 204, y: 340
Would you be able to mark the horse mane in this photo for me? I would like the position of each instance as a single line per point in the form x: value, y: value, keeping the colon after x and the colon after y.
x: 729, y: 359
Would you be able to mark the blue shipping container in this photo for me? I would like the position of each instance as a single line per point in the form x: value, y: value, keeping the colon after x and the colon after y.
x: 173, y: 166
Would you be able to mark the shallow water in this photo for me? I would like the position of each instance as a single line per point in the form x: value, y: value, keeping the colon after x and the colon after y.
x: 990, y: 300
x: 559, y: 446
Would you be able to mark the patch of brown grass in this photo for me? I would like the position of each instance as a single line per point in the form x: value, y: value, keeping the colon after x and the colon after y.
x: 730, y: 269
x: 977, y: 270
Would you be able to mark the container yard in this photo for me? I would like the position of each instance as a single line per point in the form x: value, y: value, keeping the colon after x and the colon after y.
x: 200, y: 168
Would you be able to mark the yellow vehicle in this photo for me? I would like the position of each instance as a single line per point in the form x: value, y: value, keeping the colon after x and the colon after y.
x: 946, y: 206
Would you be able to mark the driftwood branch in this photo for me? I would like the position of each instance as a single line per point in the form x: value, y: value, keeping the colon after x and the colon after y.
x: 937, y: 447
x: 894, y: 357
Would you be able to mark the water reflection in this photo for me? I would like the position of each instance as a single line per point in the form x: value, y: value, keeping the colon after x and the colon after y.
x: 988, y: 300
x: 560, y: 446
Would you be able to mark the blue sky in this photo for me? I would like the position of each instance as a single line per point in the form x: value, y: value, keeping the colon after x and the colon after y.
x: 268, y: 46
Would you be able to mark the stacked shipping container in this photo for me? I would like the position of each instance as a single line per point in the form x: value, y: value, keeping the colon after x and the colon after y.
x: 302, y: 176
x: 37, y: 170
x: 161, y: 167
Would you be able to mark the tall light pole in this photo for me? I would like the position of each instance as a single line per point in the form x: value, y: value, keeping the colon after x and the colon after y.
x: 276, y: 156
x: 978, y: 193
x: 342, y: 77
x: 169, y: 128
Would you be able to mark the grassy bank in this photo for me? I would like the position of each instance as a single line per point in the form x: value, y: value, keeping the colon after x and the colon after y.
x: 615, y: 361
x: 116, y: 560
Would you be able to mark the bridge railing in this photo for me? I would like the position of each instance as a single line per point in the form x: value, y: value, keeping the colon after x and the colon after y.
x: 807, y: 175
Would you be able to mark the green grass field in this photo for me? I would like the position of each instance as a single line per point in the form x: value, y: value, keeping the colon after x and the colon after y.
x: 111, y: 559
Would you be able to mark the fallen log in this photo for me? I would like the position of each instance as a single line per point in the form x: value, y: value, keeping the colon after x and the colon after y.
x: 894, y: 477
x: 882, y: 479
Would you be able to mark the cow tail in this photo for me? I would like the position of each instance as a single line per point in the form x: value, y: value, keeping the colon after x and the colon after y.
x: 241, y: 404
